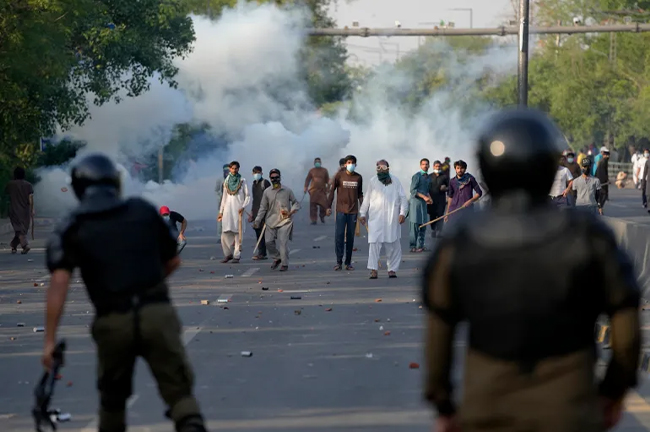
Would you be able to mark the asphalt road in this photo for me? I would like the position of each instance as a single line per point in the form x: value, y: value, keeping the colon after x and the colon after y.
x: 324, y: 362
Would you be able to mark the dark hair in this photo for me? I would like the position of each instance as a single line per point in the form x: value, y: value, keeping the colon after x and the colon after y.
x: 275, y: 171
x: 234, y: 163
x: 384, y: 161
x: 19, y: 173
x: 571, y: 154
x: 425, y: 159
x: 257, y: 169
x: 341, y: 161
x: 437, y: 162
x: 317, y: 159
x: 460, y: 163
x: 350, y: 158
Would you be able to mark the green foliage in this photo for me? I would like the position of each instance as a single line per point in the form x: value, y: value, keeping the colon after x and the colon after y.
x: 60, y: 153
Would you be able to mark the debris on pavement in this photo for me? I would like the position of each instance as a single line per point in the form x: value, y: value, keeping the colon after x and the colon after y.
x: 297, y: 312
x: 328, y: 310
x: 69, y: 384
x: 35, y: 284
x: 378, y: 300
x: 20, y: 325
x: 387, y: 333
x: 212, y: 258
x: 265, y: 288
x: 368, y: 355
x: 246, y: 354
x: 381, y: 328
x: 229, y: 276
x: 296, y: 297
x: 316, y: 247
x: 39, y: 329
x: 414, y: 365
x: 12, y: 338
x: 280, y: 290
x: 19, y: 302
x: 205, y: 302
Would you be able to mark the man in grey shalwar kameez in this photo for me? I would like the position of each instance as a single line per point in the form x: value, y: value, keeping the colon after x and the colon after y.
x: 21, y: 209
x: 418, y: 206
x: 278, y: 205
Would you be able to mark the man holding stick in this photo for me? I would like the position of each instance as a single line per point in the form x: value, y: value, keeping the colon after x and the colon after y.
x: 385, y: 206
x: 260, y: 184
x: 461, y: 189
x: 21, y: 209
x: 277, y: 206
x: 235, y: 199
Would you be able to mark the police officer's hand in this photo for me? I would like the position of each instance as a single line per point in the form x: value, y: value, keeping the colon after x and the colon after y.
x: 220, y: 217
x: 328, y: 212
x: 402, y: 219
x: 250, y: 218
x: 48, y: 357
x: 362, y: 220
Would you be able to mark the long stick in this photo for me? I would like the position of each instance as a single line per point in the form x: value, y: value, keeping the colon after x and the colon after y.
x: 259, y: 240
x: 32, y: 227
x: 241, y: 231
x: 441, y: 217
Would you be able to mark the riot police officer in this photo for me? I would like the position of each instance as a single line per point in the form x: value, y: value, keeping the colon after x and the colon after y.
x: 125, y: 252
x: 530, y: 281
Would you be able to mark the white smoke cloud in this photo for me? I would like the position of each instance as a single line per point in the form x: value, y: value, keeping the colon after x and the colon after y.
x: 231, y: 81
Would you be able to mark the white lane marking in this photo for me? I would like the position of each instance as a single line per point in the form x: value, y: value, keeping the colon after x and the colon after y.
x: 250, y: 272
x: 188, y: 336
x: 291, y: 252
x: 320, y: 238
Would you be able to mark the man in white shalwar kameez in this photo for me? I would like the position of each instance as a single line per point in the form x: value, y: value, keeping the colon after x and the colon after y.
x: 236, y: 197
x: 384, y: 208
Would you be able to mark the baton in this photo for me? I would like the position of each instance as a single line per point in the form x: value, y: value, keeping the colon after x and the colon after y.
x: 259, y: 240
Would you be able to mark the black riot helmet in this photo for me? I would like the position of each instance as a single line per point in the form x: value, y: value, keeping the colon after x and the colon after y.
x: 94, y: 170
x: 518, y: 151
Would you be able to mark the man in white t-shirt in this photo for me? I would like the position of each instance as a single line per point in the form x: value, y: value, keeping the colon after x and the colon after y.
x: 561, y: 186
x: 635, y: 167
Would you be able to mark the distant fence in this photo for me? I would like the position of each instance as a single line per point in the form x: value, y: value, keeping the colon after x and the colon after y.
x: 617, y: 167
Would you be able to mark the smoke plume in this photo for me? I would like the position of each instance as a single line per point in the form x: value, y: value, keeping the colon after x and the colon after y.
x: 243, y: 81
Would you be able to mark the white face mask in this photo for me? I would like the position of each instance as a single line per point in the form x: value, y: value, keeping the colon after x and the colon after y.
x: 257, y: 177
x: 646, y: 154
x: 166, y: 218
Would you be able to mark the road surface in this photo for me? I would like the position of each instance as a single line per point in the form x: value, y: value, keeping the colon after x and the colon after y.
x: 335, y: 360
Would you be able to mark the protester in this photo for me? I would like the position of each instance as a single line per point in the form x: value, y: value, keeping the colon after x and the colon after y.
x: 639, y: 170
x: 259, y: 186
x: 588, y: 189
x: 348, y: 188
x: 418, y: 206
x: 278, y: 205
x: 317, y: 184
x: 464, y: 190
x: 528, y: 283
x: 21, y: 209
x: 598, y: 158
x: 581, y: 156
x: 235, y: 199
x: 438, y: 188
x: 602, y: 174
x: 561, y: 185
x: 172, y: 219
x: 219, y: 190
x: 637, y: 165
x: 446, y: 166
x: 384, y: 208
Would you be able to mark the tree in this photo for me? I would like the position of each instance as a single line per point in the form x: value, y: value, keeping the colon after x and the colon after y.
x: 54, y: 54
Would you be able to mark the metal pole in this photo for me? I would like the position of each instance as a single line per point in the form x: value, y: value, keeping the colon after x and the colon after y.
x: 522, y: 76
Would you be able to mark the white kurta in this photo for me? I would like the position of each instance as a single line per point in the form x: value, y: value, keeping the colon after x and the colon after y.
x: 382, y: 206
x: 230, y: 206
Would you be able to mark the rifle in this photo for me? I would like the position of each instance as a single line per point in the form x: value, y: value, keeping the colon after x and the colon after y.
x: 44, y: 392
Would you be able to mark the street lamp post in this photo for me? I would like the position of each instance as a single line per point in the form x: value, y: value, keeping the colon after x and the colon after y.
x: 522, y: 75
x: 471, y: 15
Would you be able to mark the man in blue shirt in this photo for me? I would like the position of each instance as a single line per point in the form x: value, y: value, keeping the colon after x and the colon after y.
x: 418, y: 206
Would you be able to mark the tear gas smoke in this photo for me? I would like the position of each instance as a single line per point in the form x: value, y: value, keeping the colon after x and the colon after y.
x: 243, y: 80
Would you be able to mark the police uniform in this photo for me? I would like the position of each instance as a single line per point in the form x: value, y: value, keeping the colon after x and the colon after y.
x: 530, y: 281
x: 121, y: 248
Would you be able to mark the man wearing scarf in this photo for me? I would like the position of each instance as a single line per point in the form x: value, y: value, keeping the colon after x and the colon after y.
x: 384, y: 207
x: 317, y: 184
x: 219, y: 190
x: 418, y: 206
x: 236, y: 197
x: 438, y: 193
x: 277, y: 206
x: 462, y: 188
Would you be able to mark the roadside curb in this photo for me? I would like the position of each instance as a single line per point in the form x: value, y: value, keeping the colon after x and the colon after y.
x: 6, y: 228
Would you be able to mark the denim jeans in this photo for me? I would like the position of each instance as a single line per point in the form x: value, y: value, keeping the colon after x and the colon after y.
x: 343, y: 220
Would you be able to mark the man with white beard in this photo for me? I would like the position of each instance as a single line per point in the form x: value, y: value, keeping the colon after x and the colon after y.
x: 236, y: 197
x: 385, y: 205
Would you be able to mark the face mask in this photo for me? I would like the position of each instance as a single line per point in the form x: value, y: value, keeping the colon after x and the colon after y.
x: 383, y: 175
x: 166, y: 218
x: 646, y: 154
x: 257, y: 177
x: 275, y: 180
x: 317, y: 164
x: 350, y: 167
x: 584, y: 170
x: 570, y: 160
x: 436, y: 171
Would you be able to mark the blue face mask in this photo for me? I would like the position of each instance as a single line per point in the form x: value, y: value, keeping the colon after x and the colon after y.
x: 166, y: 218
x: 350, y: 167
x: 317, y: 164
x: 257, y: 177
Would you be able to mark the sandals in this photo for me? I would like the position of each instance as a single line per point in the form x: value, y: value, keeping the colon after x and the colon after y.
x: 349, y: 268
x: 275, y: 264
x: 260, y: 257
x: 373, y: 274
x: 392, y: 275
x: 226, y: 259
x: 338, y: 267
x: 14, y: 250
x: 24, y: 251
x: 235, y: 261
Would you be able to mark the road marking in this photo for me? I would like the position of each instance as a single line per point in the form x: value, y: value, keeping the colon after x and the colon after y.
x: 320, y: 238
x: 250, y: 272
x: 188, y: 336
x: 291, y: 252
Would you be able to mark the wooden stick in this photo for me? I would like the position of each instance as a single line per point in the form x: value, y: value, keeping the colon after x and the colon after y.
x: 241, y: 231
x: 441, y: 217
x: 357, y: 229
x: 259, y: 240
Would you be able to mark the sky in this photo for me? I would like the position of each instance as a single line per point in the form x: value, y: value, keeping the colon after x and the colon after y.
x: 411, y: 14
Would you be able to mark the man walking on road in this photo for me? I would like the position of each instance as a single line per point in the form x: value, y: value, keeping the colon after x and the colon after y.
x: 219, y: 190
x: 348, y: 188
x: 278, y: 205
x: 21, y: 209
x: 317, y: 184
x: 461, y: 189
x: 235, y: 199
x: 418, y: 206
x: 602, y: 174
x: 530, y: 282
x: 561, y: 185
x: 438, y: 192
x: 260, y: 184
x: 588, y: 189
x: 384, y: 208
